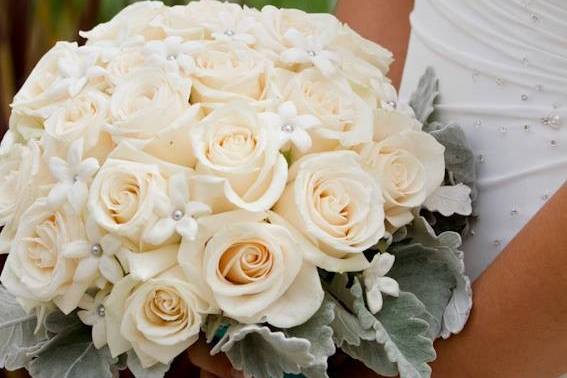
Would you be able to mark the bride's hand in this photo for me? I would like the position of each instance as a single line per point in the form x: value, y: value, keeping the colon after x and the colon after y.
x: 211, y: 366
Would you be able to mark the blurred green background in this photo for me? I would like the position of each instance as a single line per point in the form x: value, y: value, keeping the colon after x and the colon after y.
x: 28, y: 28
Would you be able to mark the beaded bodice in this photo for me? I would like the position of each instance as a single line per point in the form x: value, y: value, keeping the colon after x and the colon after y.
x: 503, y: 77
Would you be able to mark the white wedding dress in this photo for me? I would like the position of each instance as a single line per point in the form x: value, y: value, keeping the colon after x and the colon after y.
x: 502, y: 67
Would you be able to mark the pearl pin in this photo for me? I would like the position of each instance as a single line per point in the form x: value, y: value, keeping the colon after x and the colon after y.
x: 287, y: 128
x: 101, y: 311
x: 229, y: 32
x: 177, y: 215
x: 311, y: 53
x: 96, y: 250
x: 524, y: 97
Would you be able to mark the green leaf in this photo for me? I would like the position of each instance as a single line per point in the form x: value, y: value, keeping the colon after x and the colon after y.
x: 262, y: 353
x: 443, y: 248
x: 422, y: 101
x: 319, y: 333
x: 70, y: 353
x: 459, y: 158
x: 17, y: 333
x: 156, y: 371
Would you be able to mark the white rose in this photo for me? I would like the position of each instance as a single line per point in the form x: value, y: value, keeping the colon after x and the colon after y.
x: 129, y: 22
x: 81, y: 116
x: 274, y: 23
x: 123, y: 195
x: 145, y: 103
x: 36, y: 268
x: 25, y: 177
x: 351, y: 43
x: 123, y: 64
x: 159, y: 318
x: 409, y: 166
x: 61, y: 73
x: 388, y: 123
x: 337, y: 206
x: 238, y: 162
x: 346, y: 120
x: 227, y: 71
x: 254, y: 270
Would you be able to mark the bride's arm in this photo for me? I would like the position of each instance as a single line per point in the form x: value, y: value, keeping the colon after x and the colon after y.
x: 518, y: 326
x: 383, y: 21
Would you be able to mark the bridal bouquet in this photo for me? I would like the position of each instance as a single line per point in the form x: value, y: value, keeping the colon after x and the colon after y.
x: 241, y: 176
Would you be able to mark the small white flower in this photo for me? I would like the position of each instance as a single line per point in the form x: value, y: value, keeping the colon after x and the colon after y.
x: 177, y: 213
x: 73, y: 176
x: 174, y: 52
x: 233, y: 27
x: 376, y: 283
x: 76, y: 73
x: 97, y: 253
x: 308, y: 49
x: 92, y: 314
x: 291, y: 127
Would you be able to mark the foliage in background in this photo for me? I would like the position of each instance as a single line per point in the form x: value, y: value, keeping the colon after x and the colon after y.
x: 28, y: 28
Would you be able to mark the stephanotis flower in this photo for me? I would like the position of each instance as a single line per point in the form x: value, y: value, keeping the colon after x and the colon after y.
x: 308, y: 50
x: 376, y: 283
x: 290, y: 126
x: 97, y: 253
x: 92, y: 314
x: 174, y: 52
x: 76, y: 73
x: 233, y: 27
x: 177, y: 213
x: 73, y: 176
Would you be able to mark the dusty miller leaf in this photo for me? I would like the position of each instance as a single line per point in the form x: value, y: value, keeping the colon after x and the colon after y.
x: 449, y: 200
x: 156, y: 371
x: 446, y: 246
x: 70, y: 352
x: 459, y: 157
x: 393, y: 340
x: 424, y: 272
x: 320, y: 334
x: 262, y: 353
x: 17, y: 336
x: 400, y: 327
x: 423, y: 99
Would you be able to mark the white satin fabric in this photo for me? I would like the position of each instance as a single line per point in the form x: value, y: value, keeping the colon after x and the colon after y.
x: 502, y: 67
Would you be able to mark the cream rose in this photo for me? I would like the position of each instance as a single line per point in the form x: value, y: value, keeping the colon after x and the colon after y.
x: 123, y: 195
x: 345, y: 117
x: 36, y: 269
x: 60, y: 74
x: 159, y: 318
x: 409, y: 166
x: 145, y: 103
x: 79, y: 117
x: 123, y: 64
x: 274, y: 23
x: 25, y: 177
x: 130, y: 22
x: 238, y: 162
x: 254, y: 270
x: 229, y: 71
x: 337, y: 206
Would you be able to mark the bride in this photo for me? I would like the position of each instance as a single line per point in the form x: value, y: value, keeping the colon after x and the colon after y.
x: 502, y: 67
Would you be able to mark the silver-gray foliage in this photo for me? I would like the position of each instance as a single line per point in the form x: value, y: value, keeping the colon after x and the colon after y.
x: 423, y: 99
x: 262, y: 352
x: 445, y: 248
x: 134, y: 365
x: 17, y: 333
x: 70, y: 352
x: 395, y: 340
